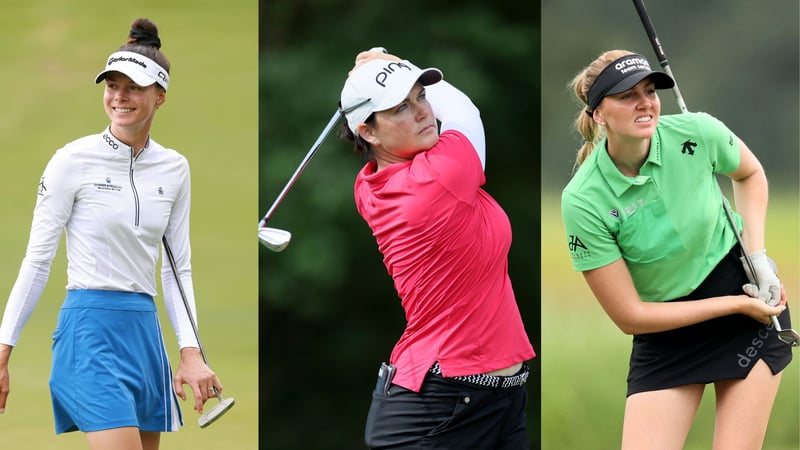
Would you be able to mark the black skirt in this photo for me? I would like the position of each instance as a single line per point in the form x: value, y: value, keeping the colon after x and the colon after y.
x: 724, y: 348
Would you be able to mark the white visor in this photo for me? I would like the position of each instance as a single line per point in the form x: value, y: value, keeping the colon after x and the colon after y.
x: 139, y: 68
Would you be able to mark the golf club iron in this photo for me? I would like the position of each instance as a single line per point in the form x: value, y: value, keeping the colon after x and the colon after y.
x: 788, y: 336
x: 276, y: 239
x: 224, y: 404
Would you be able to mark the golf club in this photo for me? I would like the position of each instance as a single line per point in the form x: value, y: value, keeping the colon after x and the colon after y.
x: 277, y: 239
x: 788, y: 336
x: 274, y: 239
x: 224, y: 403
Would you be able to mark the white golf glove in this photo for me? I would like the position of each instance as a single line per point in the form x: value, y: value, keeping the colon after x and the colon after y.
x: 768, y: 288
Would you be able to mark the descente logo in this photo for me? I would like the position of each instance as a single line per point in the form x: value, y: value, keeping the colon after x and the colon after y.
x: 117, y: 59
x: 390, y: 68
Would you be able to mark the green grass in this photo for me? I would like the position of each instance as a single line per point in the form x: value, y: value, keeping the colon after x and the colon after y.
x: 585, y: 357
x: 51, y: 54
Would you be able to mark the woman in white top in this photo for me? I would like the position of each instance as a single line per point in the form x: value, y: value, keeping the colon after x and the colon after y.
x: 115, y: 194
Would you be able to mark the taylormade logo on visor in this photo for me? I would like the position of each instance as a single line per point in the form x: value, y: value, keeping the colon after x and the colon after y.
x: 116, y: 59
x: 390, y: 68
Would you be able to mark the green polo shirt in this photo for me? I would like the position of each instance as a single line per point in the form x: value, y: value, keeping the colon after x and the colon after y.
x: 668, y: 222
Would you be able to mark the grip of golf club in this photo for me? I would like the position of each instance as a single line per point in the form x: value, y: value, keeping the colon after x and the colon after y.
x: 659, y: 50
x: 379, y: 49
x: 651, y: 31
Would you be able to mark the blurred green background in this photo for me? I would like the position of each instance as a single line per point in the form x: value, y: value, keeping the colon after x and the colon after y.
x: 329, y: 312
x: 51, y: 52
x: 735, y: 59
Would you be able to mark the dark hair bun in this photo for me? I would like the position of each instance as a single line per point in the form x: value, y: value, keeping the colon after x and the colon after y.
x: 144, y: 32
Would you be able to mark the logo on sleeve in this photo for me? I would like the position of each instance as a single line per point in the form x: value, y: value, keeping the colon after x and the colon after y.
x: 42, y: 188
x: 577, y: 248
x: 575, y: 243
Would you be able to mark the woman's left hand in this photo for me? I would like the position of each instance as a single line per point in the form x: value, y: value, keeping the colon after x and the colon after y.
x: 192, y: 370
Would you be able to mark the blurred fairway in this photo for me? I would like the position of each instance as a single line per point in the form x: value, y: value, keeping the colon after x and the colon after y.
x: 585, y: 356
x: 51, y: 52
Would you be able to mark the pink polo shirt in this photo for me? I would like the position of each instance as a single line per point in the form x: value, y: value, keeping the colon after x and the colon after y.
x: 445, y: 244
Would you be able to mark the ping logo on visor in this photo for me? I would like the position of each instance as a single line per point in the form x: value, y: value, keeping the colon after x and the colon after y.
x: 381, y: 77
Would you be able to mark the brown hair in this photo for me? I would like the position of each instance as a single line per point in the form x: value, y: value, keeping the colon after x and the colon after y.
x: 361, y: 146
x: 589, y: 130
x: 143, y: 39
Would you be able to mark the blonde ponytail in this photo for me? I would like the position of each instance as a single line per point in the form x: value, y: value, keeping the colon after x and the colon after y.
x: 584, y: 124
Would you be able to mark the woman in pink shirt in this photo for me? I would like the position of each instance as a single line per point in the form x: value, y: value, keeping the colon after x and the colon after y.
x: 456, y: 375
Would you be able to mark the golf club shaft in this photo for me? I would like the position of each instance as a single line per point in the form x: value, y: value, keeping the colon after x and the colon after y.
x: 174, y: 267
x: 331, y: 124
x: 662, y: 57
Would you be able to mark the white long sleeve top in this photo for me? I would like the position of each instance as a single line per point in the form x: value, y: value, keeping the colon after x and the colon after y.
x: 456, y: 111
x: 115, y: 208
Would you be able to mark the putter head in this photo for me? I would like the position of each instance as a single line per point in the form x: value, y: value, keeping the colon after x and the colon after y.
x: 216, y: 412
x: 274, y: 239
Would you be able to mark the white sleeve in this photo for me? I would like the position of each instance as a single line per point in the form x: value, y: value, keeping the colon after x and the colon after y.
x: 177, y: 235
x: 457, y: 112
x: 56, y: 195
x: 24, y: 295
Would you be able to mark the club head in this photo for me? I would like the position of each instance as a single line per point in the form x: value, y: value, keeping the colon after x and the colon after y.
x: 216, y: 412
x: 788, y: 335
x: 274, y: 239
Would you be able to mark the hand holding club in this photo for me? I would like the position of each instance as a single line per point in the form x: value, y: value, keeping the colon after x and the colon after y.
x: 764, y: 282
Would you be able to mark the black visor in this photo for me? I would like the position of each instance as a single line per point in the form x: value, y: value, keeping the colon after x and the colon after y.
x: 623, y: 74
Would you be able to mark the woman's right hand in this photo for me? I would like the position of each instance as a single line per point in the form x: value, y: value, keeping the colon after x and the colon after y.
x: 614, y: 289
x: 5, y: 355
x: 760, y: 311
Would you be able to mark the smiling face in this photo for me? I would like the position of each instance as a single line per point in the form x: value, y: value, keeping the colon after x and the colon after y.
x: 630, y: 115
x: 399, y: 133
x: 130, y: 107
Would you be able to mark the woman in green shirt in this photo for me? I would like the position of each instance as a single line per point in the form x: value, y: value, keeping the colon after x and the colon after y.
x: 645, y: 225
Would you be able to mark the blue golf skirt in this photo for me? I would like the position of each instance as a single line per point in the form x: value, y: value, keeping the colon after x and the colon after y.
x: 110, y: 367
